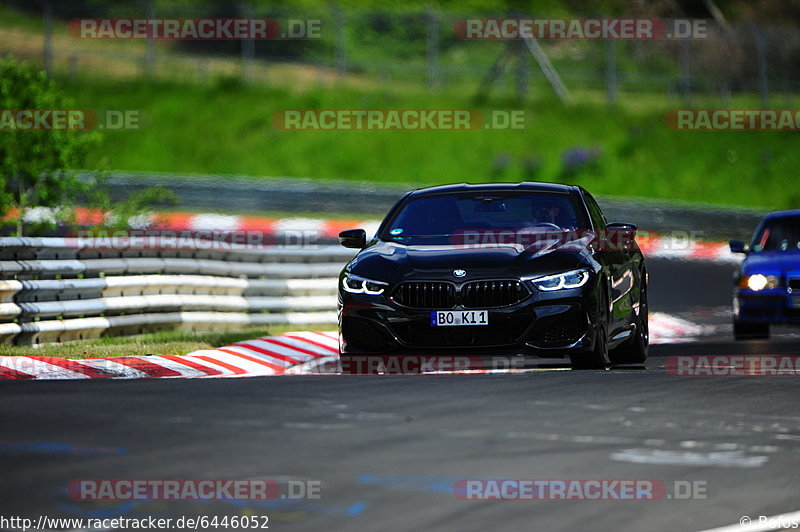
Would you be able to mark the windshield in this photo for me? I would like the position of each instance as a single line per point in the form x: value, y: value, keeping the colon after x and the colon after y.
x: 779, y: 234
x: 435, y: 218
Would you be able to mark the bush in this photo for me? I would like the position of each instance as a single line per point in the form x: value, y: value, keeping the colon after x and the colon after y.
x: 37, y: 168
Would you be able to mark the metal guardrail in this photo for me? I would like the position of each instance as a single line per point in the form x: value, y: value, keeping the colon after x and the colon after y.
x: 311, y: 195
x: 61, y: 289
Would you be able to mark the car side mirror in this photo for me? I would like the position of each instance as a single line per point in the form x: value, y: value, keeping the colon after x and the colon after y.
x: 619, y: 236
x: 353, y: 238
x: 737, y: 246
x: 622, y: 227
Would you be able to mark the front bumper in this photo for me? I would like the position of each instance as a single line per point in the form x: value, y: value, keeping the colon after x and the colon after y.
x: 767, y: 306
x: 549, y: 325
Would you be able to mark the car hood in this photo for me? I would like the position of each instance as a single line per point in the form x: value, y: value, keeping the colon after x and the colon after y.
x: 392, y: 262
x: 777, y: 263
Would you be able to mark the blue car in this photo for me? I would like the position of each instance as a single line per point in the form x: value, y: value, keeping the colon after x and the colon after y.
x: 767, y: 284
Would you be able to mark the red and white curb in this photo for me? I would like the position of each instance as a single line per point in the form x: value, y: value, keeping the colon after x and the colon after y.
x: 296, y: 353
x: 669, y: 247
x: 270, y: 355
x: 309, y: 228
x: 668, y: 329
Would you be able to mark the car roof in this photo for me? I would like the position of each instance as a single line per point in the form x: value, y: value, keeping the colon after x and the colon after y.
x: 527, y: 186
x: 782, y: 214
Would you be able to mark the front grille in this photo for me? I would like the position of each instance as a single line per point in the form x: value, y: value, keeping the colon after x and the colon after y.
x: 492, y: 294
x: 794, y: 284
x: 472, y: 295
x: 427, y: 294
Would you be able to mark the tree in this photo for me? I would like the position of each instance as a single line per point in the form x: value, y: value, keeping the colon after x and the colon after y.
x: 38, y: 168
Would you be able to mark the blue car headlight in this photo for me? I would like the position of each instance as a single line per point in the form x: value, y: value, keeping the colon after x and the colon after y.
x: 759, y: 282
x: 361, y: 285
x: 561, y: 281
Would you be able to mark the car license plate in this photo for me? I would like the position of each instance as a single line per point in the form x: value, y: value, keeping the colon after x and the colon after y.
x: 449, y: 318
x: 795, y: 301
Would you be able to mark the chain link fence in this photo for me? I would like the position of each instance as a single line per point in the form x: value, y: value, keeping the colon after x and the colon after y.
x: 412, y: 47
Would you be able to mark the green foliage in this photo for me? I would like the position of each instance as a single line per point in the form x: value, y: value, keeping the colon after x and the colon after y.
x: 206, y: 130
x: 121, y: 214
x: 45, y: 170
x: 37, y: 167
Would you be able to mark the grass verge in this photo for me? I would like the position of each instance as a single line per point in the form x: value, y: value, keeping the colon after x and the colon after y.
x: 158, y: 343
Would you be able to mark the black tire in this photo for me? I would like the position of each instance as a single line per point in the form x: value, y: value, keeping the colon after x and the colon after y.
x: 634, y: 350
x: 743, y: 330
x: 598, y: 357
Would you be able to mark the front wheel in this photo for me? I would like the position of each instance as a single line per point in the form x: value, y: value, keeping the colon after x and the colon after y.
x: 597, y: 358
x: 634, y: 350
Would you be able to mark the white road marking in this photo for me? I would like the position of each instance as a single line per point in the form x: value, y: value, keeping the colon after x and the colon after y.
x: 668, y: 457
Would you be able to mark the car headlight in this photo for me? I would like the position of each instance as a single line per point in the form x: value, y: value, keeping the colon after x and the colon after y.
x: 561, y: 281
x: 760, y: 282
x: 360, y: 285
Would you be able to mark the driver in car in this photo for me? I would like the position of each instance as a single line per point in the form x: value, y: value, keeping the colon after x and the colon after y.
x: 546, y: 212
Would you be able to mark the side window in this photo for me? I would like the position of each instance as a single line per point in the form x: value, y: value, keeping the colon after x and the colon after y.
x: 594, y: 211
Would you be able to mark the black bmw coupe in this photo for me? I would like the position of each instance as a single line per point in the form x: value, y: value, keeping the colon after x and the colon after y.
x: 517, y: 270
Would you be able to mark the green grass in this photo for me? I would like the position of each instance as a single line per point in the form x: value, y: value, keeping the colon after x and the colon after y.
x: 216, y: 125
x: 215, y: 129
x: 158, y: 343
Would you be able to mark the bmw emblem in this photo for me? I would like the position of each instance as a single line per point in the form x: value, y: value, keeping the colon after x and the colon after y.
x: 459, y: 273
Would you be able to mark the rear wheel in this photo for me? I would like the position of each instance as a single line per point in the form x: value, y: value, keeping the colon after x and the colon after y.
x: 634, y: 351
x: 743, y: 330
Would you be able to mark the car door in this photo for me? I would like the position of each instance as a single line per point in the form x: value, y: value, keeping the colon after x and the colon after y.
x: 615, y: 256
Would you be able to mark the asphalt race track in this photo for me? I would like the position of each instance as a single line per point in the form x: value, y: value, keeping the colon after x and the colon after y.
x: 388, y: 449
